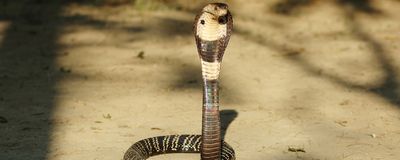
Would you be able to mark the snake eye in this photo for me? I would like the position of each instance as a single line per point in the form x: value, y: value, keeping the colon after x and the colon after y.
x: 222, y: 20
x: 202, y: 22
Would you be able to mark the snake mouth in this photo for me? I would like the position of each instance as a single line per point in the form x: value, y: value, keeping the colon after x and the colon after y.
x: 210, y: 13
x: 221, y: 19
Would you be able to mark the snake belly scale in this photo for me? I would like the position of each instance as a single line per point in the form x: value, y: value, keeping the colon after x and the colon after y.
x: 212, y: 29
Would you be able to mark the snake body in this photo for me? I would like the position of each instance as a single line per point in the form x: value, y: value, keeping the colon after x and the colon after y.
x: 212, y: 29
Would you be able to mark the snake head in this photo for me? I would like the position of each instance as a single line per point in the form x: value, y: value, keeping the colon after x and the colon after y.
x: 217, y: 9
x: 212, y: 28
x: 214, y: 22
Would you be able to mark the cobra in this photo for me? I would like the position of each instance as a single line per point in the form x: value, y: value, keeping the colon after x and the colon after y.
x: 212, y: 29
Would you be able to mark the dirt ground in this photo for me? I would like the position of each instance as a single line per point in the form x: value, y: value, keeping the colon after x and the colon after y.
x: 82, y: 81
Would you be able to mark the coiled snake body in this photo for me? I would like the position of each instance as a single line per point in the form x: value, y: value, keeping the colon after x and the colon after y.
x: 212, y: 28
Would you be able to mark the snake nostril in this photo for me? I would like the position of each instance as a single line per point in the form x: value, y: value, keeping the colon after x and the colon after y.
x: 222, y: 20
x: 202, y: 22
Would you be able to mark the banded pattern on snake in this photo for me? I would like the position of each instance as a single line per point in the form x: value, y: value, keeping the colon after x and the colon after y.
x: 146, y: 148
x: 212, y: 28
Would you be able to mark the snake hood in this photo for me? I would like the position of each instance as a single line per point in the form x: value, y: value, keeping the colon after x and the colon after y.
x: 212, y: 28
x: 214, y: 22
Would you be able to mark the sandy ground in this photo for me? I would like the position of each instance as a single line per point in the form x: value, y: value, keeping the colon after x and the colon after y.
x: 318, y: 76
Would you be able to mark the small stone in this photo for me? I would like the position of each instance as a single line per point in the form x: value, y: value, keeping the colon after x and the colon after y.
x: 65, y: 70
x: 3, y: 120
x: 342, y: 123
x: 108, y: 116
x: 140, y: 55
x: 156, y: 128
x: 295, y: 149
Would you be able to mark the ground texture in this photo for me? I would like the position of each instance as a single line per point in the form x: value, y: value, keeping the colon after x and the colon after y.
x: 301, y: 80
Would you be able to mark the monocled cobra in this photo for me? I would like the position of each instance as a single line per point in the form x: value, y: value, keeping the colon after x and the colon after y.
x: 212, y: 28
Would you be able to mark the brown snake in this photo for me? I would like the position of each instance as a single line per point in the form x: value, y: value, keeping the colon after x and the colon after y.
x: 212, y: 28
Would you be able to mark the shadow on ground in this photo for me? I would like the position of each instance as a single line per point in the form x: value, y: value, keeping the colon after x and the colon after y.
x: 388, y: 89
x: 29, y: 75
x: 227, y: 117
x: 27, y: 79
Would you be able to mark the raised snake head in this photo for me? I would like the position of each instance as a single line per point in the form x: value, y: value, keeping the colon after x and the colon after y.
x: 212, y: 28
x: 214, y: 22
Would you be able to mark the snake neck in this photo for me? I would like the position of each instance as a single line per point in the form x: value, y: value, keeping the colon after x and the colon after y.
x: 210, y: 53
x: 211, y: 127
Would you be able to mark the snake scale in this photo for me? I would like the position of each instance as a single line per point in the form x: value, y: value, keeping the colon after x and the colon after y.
x: 212, y: 29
